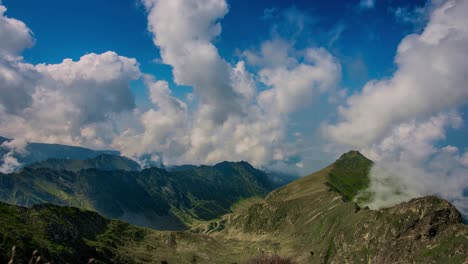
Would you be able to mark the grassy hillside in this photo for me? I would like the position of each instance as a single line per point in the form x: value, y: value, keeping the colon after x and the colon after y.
x: 61, y: 234
x: 152, y: 197
x: 70, y: 235
x: 348, y: 176
x: 313, y: 220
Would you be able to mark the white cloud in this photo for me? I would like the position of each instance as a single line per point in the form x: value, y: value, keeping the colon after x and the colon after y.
x: 16, y: 78
x: 409, y: 165
x: 398, y: 121
x: 15, y: 35
x: 232, y: 121
x: 184, y: 31
x: 72, y: 102
x: 295, y: 87
x: 163, y: 130
x: 464, y: 159
x: 10, y: 150
x: 422, y: 85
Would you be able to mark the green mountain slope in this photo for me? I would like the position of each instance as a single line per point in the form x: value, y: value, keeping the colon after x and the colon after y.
x: 114, y: 194
x: 60, y: 234
x: 313, y: 220
x: 348, y: 175
x: 307, y: 221
x: 104, y: 162
x: 70, y: 235
x: 152, y: 197
x: 205, y: 192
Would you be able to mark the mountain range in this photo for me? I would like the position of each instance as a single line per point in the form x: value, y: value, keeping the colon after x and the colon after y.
x: 38, y: 152
x: 115, y: 187
x: 311, y: 220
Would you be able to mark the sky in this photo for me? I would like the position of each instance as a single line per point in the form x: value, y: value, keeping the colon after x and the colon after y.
x: 285, y: 85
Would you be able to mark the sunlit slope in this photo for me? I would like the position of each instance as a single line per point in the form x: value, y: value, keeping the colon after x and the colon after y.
x: 314, y: 221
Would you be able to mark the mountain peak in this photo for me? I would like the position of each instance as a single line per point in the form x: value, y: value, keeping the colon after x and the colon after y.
x: 231, y: 163
x: 3, y: 139
x: 352, y: 154
x: 349, y: 174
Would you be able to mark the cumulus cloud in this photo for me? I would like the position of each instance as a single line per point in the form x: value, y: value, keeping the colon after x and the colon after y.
x: 184, y: 31
x: 422, y: 85
x: 72, y: 102
x: 398, y: 121
x: 10, y: 150
x: 233, y: 120
x: 16, y: 78
x: 163, y: 128
x: 294, y: 87
x: 15, y: 35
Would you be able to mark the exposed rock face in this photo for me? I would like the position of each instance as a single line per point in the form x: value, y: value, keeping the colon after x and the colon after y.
x: 423, y: 230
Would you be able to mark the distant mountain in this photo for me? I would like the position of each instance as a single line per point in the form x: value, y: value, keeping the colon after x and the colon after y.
x: 38, y: 152
x: 311, y: 220
x: 206, y: 192
x: 181, y: 167
x: 277, y: 179
x: 152, y: 197
x: 3, y: 139
x: 104, y: 162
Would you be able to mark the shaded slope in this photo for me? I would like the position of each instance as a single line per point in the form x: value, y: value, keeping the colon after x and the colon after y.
x: 114, y: 194
x: 205, y: 192
x: 61, y: 234
x: 71, y: 235
x: 152, y: 197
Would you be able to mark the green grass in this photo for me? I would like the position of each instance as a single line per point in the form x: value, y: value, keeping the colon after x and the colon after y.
x: 243, y: 204
x: 349, y: 175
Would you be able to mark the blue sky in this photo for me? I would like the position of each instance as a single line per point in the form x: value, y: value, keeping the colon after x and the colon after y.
x: 70, y: 29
